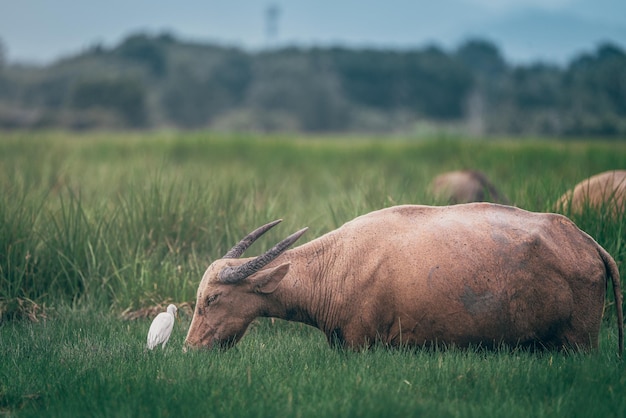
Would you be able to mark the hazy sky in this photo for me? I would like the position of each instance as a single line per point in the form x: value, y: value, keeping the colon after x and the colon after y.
x: 525, y: 30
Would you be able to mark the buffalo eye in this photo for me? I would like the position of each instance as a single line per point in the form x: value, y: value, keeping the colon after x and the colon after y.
x: 211, y: 299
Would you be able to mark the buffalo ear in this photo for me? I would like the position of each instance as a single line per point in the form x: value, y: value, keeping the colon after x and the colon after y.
x: 266, y: 281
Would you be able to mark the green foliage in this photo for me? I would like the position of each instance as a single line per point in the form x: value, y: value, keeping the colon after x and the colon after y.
x: 160, y: 81
x: 125, y: 97
x: 427, y: 82
x: 482, y: 58
x: 84, y: 363
x: 19, y: 262
x: 596, y: 92
x: 192, y: 100
x: 301, y: 86
x: 128, y: 221
x: 146, y: 51
x: 91, y: 225
x: 2, y: 55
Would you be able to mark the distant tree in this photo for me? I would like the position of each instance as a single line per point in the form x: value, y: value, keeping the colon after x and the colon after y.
x: 166, y: 38
x: 527, y: 101
x: 317, y: 89
x: 537, y: 86
x: 192, y: 100
x: 367, y: 76
x: 489, y: 71
x: 482, y: 58
x: 596, y: 92
x: 610, y: 76
x: 146, y: 51
x: 302, y: 85
x: 2, y: 54
x: 4, y: 82
x: 125, y: 97
x: 426, y: 82
x: 439, y: 85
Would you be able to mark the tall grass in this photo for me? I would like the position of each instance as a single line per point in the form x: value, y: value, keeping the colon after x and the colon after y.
x: 91, y: 225
x: 129, y: 220
x: 84, y: 364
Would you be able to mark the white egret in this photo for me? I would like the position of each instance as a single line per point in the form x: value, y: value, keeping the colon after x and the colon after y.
x: 161, y: 327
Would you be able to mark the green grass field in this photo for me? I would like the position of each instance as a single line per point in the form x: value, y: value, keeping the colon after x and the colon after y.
x: 93, y: 225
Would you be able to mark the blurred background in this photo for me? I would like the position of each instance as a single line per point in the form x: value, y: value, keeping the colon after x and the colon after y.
x: 470, y: 67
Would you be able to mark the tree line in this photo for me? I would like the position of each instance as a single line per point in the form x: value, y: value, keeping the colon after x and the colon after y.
x: 156, y: 81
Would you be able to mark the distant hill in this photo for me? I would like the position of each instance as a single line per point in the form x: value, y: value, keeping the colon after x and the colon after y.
x: 159, y: 81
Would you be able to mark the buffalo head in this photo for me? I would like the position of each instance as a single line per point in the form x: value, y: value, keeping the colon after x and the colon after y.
x: 232, y: 291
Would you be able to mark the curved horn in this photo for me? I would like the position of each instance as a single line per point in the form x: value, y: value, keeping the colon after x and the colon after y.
x: 243, y: 245
x: 236, y: 274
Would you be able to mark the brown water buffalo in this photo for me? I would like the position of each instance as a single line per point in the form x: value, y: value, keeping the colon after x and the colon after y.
x: 465, y: 186
x: 472, y: 274
x: 605, y: 190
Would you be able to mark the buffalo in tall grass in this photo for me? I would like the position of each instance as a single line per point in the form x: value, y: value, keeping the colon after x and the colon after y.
x: 465, y: 186
x: 604, y: 191
x: 462, y: 275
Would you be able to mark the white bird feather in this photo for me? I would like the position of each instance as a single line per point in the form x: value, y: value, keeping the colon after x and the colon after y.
x: 161, y: 327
